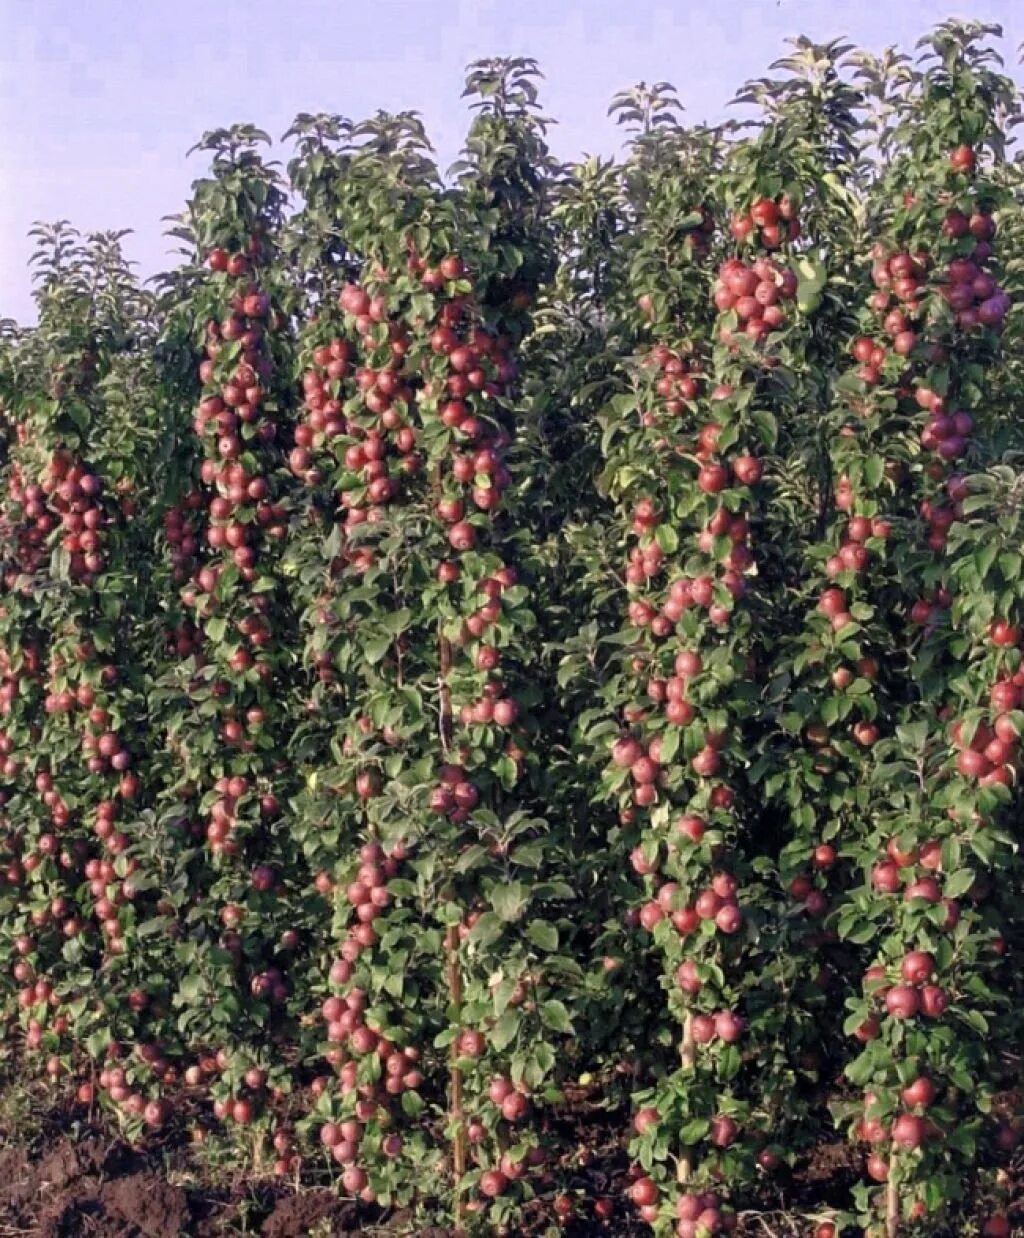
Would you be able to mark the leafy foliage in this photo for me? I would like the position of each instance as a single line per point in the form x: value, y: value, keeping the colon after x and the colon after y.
x: 471, y: 638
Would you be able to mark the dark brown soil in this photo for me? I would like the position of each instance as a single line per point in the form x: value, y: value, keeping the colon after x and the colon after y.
x: 826, y: 1174
x: 100, y: 1188
x: 89, y: 1187
x: 297, y: 1214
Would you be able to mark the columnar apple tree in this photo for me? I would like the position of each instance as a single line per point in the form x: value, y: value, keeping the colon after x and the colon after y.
x: 418, y: 625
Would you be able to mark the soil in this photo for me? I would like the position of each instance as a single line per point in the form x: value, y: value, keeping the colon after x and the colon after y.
x: 97, y: 1187
x: 89, y: 1187
x: 297, y: 1214
x: 101, y: 1188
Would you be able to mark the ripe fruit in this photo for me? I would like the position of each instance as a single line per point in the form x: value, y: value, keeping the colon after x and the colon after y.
x: 963, y: 159
x: 919, y: 1094
x: 902, y: 1002
x: 493, y: 1183
x: 626, y: 752
x: 462, y: 536
x: 644, y: 1192
x: 1004, y: 635
x: 724, y: 1131
x: 878, y: 1167
x: 917, y: 967
x: 908, y: 1131
x: 764, y: 213
x: 515, y: 1107
x: 926, y: 888
x: 156, y: 1113
x: 728, y: 1027
x: 824, y: 856
x: 242, y: 1112
x: 713, y: 478
x: 748, y: 470
x: 832, y: 602
x: 645, y: 770
x: 691, y: 827
x: 933, y: 1001
x: 702, y: 1029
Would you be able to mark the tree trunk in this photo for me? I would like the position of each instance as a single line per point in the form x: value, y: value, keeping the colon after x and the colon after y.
x: 892, y: 1204
x: 688, y: 1055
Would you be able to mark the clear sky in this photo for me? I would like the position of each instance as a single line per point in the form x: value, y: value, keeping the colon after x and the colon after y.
x: 100, y: 99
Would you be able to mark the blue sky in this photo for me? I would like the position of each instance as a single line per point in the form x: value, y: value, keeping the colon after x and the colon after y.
x: 99, y: 101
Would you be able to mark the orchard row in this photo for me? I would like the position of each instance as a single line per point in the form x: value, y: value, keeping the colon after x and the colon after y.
x: 474, y: 652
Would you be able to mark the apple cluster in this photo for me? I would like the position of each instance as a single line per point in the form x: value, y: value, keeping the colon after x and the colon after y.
x: 698, y: 1214
x: 991, y: 755
x: 716, y: 903
x: 967, y: 288
x: 769, y: 222
x: 679, y: 380
x: 757, y: 294
x: 25, y: 525
x: 181, y: 529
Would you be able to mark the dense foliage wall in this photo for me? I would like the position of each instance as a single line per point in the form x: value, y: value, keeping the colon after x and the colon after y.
x: 471, y: 641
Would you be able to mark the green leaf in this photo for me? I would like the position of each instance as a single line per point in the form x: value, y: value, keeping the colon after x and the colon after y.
x: 376, y: 649
x: 874, y: 471
x: 486, y: 930
x: 471, y: 858
x: 412, y: 1104
x: 957, y: 884
x: 692, y: 1132
x: 505, y: 1029
x: 216, y: 628
x: 767, y: 428
x: 553, y: 1014
x: 669, y: 745
x: 510, y: 901
x: 542, y: 934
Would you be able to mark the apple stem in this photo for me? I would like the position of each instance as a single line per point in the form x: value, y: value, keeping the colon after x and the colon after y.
x: 445, y: 663
x: 892, y: 1203
x: 444, y: 650
x: 688, y: 1054
x: 688, y: 1048
x: 684, y: 1166
x: 457, y: 1116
